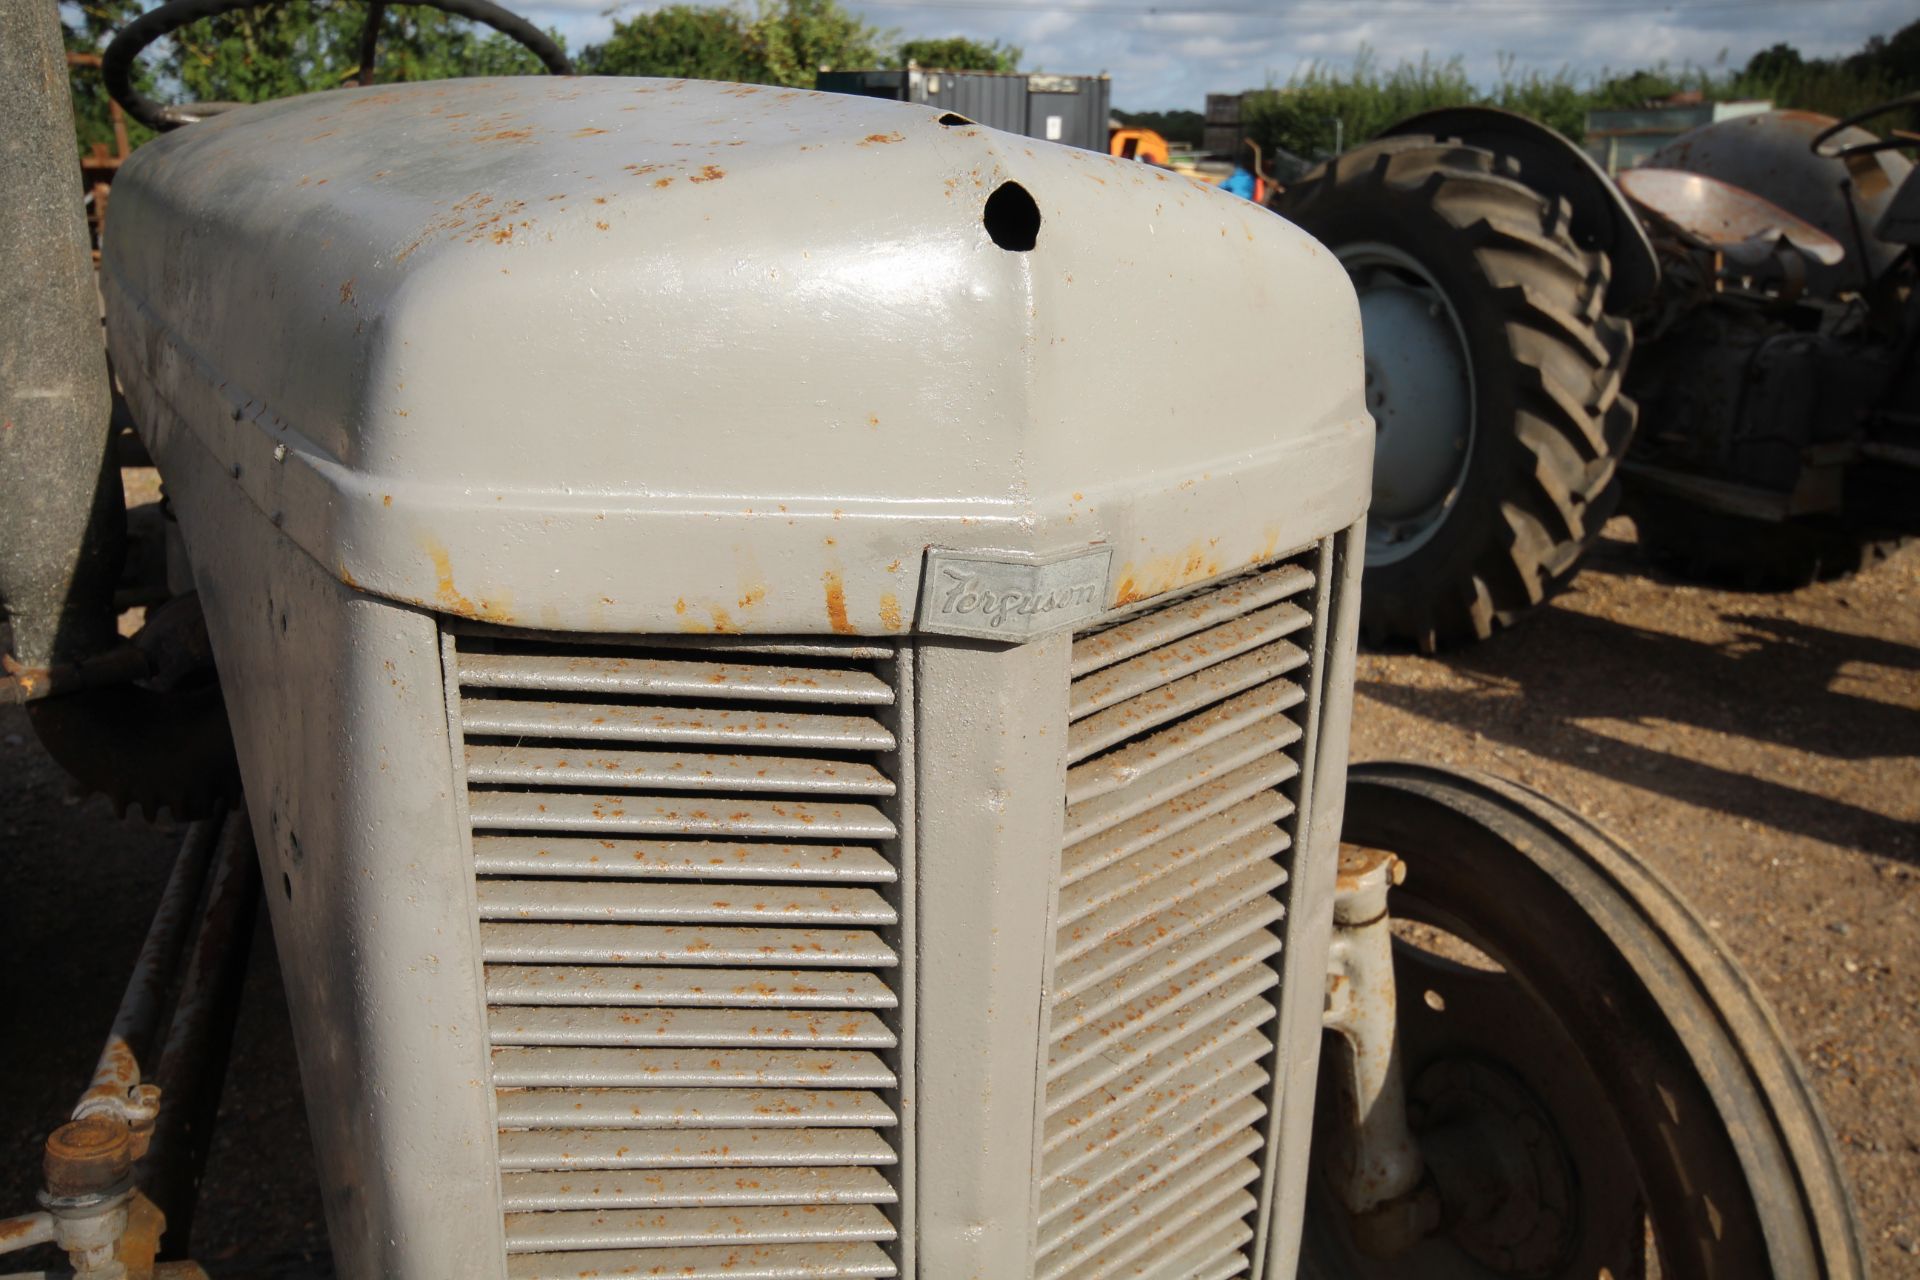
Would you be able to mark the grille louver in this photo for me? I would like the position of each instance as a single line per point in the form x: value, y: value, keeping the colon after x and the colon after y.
x: 688, y: 891
x: 1182, y: 741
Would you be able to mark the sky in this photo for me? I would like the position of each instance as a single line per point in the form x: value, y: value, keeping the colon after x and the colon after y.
x: 1172, y: 54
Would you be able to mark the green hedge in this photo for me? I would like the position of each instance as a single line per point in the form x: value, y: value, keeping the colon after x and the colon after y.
x: 1300, y: 116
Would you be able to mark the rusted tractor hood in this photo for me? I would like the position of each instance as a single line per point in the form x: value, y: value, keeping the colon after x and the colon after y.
x: 603, y: 354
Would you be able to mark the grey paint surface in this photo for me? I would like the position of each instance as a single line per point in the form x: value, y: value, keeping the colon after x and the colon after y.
x: 991, y: 769
x: 1310, y: 906
x: 798, y: 363
x: 338, y: 714
x: 661, y: 427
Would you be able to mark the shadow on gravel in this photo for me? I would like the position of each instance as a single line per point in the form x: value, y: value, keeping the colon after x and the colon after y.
x: 1773, y: 684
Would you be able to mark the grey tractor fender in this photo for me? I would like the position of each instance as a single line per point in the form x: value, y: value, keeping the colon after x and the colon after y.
x: 1553, y: 165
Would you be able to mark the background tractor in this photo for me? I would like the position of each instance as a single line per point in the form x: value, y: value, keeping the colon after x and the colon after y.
x: 1748, y: 297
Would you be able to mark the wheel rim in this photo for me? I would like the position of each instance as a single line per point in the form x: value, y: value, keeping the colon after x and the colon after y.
x: 1671, y: 1087
x: 1420, y: 391
x: 1487, y: 1063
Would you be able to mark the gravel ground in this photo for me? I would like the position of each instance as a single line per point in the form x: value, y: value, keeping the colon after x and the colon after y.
x: 1763, y: 751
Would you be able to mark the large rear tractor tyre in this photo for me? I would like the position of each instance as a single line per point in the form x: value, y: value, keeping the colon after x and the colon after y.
x: 1596, y: 1087
x: 1493, y: 374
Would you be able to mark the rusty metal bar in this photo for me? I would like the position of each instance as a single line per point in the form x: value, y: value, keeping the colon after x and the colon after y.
x: 137, y: 1023
x: 119, y: 665
x: 25, y: 1231
x: 1375, y: 1164
x: 121, y: 1144
x: 193, y: 1063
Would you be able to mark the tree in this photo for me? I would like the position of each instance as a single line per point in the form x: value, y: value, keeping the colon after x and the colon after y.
x: 86, y: 29
x: 1774, y: 62
x: 1894, y: 58
x: 784, y: 42
x: 797, y: 39
x: 679, y: 40
x: 958, y: 53
x: 276, y: 50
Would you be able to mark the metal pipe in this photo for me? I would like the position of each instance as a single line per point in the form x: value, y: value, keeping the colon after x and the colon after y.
x: 137, y: 1023
x: 1374, y: 1163
x: 61, y: 508
x: 1379, y: 1159
x: 193, y: 1063
x: 25, y: 1231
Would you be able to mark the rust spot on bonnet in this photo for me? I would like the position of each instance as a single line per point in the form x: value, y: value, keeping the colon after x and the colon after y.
x: 346, y: 293
x: 882, y: 138
x: 708, y: 173
x: 1166, y: 573
x: 663, y: 182
x: 836, y: 603
x: 449, y: 596
x: 587, y: 132
x: 890, y: 617
x: 506, y: 135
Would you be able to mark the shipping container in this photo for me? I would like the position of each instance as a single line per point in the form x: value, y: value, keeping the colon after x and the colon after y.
x: 1069, y: 109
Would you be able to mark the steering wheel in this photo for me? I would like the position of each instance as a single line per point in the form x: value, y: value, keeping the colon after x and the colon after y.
x: 116, y: 64
x: 1895, y: 143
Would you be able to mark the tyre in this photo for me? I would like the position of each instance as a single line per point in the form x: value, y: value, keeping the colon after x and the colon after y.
x: 1493, y: 374
x: 1753, y: 555
x: 1622, y: 1094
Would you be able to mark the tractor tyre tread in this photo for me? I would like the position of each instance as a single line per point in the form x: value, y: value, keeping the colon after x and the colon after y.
x: 1549, y: 365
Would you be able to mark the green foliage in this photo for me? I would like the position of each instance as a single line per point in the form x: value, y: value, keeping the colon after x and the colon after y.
x: 784, y: 42
x: 302, y: 45
x: 957, y: 53
x: 797, y: 39
x: 1174, y: 126
x: 679, y: 40
x: 1300, y: 116
x: 1886, y: 67
x: 87, y: 28
x: 272, y: 51
x: 1774, y: 62
x: 1320, y: 111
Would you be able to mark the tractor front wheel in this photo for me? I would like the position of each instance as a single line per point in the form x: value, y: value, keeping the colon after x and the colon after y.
x: 1595, y: 1086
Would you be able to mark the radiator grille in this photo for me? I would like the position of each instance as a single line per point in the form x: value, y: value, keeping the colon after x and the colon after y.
x: 1181, y: 753
x: 688, y: 896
